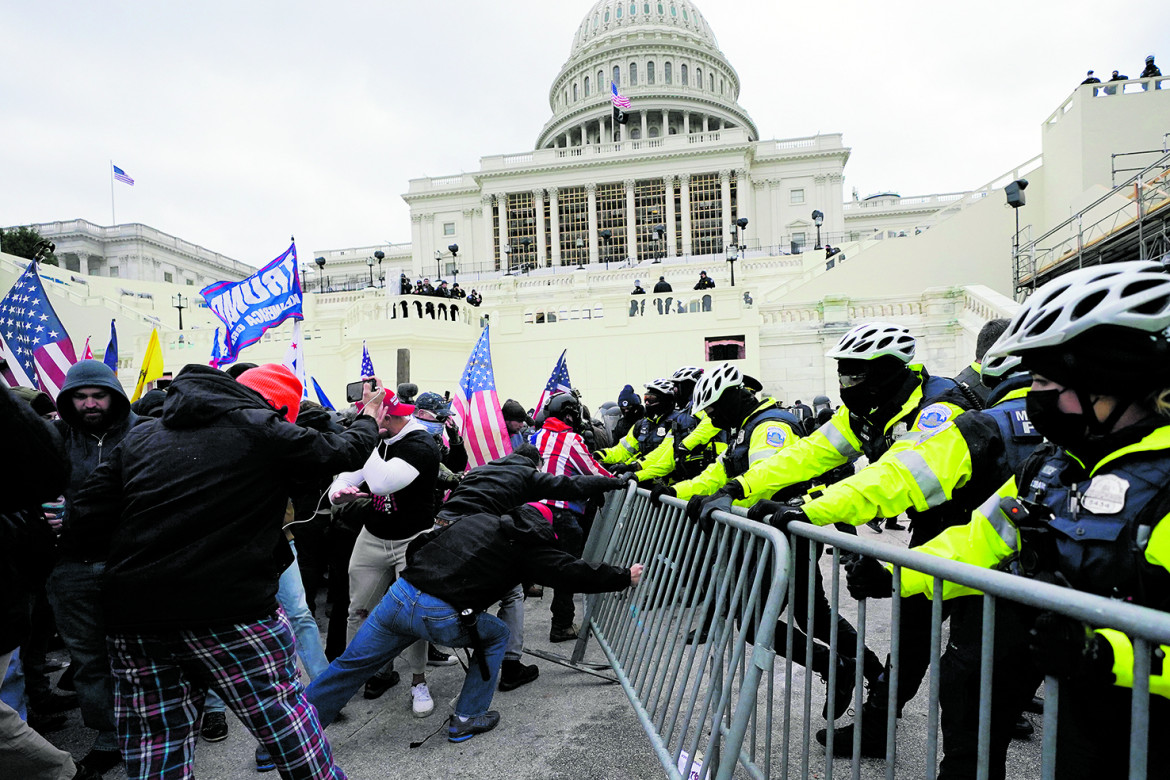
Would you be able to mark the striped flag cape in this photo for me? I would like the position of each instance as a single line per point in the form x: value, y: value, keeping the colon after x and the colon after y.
x: 557, y: 383
x: 34, y: 347
x: 485, y: 435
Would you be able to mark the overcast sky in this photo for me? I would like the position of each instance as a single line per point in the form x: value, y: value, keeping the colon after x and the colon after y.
x: 246, y: 122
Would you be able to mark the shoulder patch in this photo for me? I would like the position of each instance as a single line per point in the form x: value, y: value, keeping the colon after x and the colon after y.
x: 934, y: 417
x: 776, y: 436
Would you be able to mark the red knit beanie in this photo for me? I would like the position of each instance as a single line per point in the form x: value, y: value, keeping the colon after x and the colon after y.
x: 279, y: 386
x: 544, y: 510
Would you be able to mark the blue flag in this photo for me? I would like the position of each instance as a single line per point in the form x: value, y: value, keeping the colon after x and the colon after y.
x: 111, y: 356
x: 262, y: 301
x: 321, y: 395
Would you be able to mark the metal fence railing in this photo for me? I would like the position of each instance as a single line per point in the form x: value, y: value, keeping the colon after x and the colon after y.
x: 694, y: 645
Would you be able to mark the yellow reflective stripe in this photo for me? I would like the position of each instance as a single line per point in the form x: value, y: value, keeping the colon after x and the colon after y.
x: 838, y: 440
x: 927, y: 481
x: 629, y: 448
x: 998, y: 520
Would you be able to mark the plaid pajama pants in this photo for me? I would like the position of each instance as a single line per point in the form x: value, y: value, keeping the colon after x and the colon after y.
x: 160, y: 681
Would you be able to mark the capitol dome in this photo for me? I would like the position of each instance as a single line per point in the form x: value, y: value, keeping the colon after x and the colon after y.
x: 663, y: 56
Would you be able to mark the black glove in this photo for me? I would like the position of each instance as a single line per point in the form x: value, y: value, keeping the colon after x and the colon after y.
x: 1064, y: 647
x: 764, y: 509
x: 786, y: 515
x: 662, y: 490
x: 694, y: 506
x: 622, y: 468
x: 868, y: 579
x: 720, y: 501
x: 734, y: 488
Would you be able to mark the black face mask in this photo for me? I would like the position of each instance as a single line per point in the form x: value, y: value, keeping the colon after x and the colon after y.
x: 1063, y: 429
x: 868, y: 393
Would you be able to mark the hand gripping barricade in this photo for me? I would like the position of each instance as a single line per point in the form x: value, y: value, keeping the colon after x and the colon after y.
x: 693, y: 645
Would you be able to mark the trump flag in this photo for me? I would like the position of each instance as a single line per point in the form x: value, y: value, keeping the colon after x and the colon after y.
x: 262, y: 301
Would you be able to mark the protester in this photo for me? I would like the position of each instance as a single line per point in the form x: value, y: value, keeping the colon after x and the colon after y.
x: 189, y: 509
x: 519, y: 423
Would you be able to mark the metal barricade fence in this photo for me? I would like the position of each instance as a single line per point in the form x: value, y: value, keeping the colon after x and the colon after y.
x: 693, y: 642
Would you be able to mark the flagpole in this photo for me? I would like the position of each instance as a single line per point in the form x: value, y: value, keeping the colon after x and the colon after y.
x: 113, y: 218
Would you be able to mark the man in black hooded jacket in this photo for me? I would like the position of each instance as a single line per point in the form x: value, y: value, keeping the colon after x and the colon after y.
x: 190, y: 510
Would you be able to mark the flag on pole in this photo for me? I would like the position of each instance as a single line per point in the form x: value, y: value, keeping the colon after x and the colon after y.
x: 152, y: 365
x: 111, y: 356
x: 87, y: 353
x: 264, y: 300
x: 367, y: 364
x: 321, y: 395
x: 216, y: 352
x: 294, y: 358
x: 617, y: 100
x: 557, y: 383
x: 35, y: 350
x: 485, y: 435
x: 121, y: 176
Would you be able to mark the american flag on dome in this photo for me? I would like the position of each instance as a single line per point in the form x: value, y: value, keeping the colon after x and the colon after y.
x: 485, y: 435
x: 617, y: 100
x: 33, y: 342
x: 367, y: 364
x: 557, y: 383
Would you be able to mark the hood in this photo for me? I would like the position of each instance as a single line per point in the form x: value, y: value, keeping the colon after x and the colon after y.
x: 92, y: 373
x: 200, y: 394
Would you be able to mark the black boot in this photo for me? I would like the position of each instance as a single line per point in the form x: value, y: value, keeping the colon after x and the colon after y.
x: 846, y: 676
x: 873, y: 735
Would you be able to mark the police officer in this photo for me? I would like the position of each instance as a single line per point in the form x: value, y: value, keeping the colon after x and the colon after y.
x: 646, y: 434
x: 889, y: 405
x: 970, y: 377
x: 1088, y: 506
x: 694, y: 442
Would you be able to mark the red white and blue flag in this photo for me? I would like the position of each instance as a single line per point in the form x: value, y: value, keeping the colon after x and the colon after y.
x: 121, y: 176
x: 216, y: 351
x: 617, y: 100
x: 557, y: 383
x: 34, y: 346
x: 485, y: 435
x: 294, y: 358
x: 367, y: 364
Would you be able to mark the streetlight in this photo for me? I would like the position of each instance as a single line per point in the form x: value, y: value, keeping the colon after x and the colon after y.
x: 454, y: 250
x: 818, y: 219
x: 660, y: 238
x: 1015, y: 199
x: 438, y: 266
x: 507, y: 250
x: 734, y: 249
x: 180, y: 303
x: 606, y: 235
x: 304, y: 270
x: 580, y: 248
x: 320, y: 261
x: 379, y: 255
x: 525, y: 243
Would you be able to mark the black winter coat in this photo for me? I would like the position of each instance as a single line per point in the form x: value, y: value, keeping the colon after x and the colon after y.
x: 192, y: 504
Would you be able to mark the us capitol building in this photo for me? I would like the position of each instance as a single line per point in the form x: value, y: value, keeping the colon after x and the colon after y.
x: 553, y: 238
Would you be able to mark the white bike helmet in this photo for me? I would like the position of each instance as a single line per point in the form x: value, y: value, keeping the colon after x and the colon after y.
x: 687, y: 374
x: 996, y: 367
x: 662, y: 387
x: 874, y: 340
x: 713, y: 385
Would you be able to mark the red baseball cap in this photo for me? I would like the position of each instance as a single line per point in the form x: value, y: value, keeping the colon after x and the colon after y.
x: 395, y: 407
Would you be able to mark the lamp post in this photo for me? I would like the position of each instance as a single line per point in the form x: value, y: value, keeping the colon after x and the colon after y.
x: 180, y: 303
x: 606, y: 235
x: 438, y: 266
x: 507, y: 250
x: 1015, y: 199
x: 735, y: 249
x: 320, y: 261
x: 370, y: 265
x: 660, y: 242
x: 454, y: 250
x: 379, y: 255
x: 818, y: 219
x: 525, y: 243
x: 304, y: 270
x: 580, y: 247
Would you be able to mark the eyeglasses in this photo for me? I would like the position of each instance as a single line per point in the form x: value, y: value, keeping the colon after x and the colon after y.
x: 851, y: 380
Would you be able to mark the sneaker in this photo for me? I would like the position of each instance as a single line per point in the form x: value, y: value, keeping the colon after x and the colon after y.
x: 873, y: 738
x: 380, y: 683
x: 562, y: 633
x: 421, y: 703
x: 101, y: 761
x: 513, y: 674
x: 436, y: 657
x: 534, y: 592
x: 264, y: 762
x: 214, y: 727
x: 461, y: 730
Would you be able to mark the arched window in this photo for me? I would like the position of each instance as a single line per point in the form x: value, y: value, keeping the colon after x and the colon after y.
x: 722, y: 86
x: 683, y: 70
x: 574, y: 92
x: 666, y: 74
x: 600, y: 80
x: 617, y: 75
x: 586, y: 86
x: 711, y: 81
x: 633, y: 74
x: 699, y: 78
x: 650, y: 72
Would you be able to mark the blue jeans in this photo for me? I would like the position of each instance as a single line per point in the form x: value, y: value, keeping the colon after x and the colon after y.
x: 290, y: 592
x: 75, y: 591
x: 404, y: 616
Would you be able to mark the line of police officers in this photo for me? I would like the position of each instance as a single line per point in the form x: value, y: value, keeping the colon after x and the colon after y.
x: 1072, y: 424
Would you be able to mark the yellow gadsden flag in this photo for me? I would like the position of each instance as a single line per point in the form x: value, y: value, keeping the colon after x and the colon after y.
x: 152, y: 365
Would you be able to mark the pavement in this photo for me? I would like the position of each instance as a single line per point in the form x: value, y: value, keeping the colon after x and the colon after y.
x: 566, y: 725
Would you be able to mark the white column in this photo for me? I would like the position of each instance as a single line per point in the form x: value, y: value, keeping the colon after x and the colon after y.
x: 631, y: 221
x: 684, y: 192
x: 644, y: 135
x: 487, y: 250
x: 665, y: 124
x: 591, y: 195
x: 670, y: 230
x: 743, y: 191
x: 538, y: 205
x: 554, y: 225
x: 502, y: 206
x: 686, y: 122
x: 725, y: 195
x: 706, y: 123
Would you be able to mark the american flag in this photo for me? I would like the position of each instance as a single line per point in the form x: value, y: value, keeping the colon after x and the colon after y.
x: 33, y: 342
x: 111, y: 356
x: 294, y: 358
x: 87, y: 353
x: 557, y: 383
x: 367, y: 364
x: 617, y: 100
x: 485, y: 434
x: 120, y: 175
